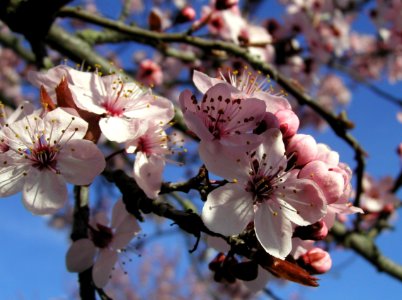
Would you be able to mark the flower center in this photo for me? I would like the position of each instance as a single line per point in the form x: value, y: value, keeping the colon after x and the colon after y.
x: 43, y: 156
x: 113, y: 108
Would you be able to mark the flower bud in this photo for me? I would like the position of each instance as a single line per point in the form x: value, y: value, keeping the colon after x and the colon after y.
x: 186, y: 14
x: 316, y: 261
x: 317, y: 231
x: 304, y: 147
x: 288, y: 122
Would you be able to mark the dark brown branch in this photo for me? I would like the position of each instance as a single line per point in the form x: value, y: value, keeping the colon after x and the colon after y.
x: 79, y: 231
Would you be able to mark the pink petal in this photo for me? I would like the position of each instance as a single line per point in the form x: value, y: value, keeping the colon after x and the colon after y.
x: 228, y: 209
x: 148, y: 171
x: 302, y: 201
x: 223, y: 162
x: 203, y: 82
x: 44, y: 192
x: 273, y: 103
x: 273, y: 230
x: 330, y: 180
x: 80, y: 161
x: 80, y: 255
x: 103, y: 267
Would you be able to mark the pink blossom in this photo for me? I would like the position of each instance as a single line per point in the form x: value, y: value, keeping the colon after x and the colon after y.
x: 150, y: 147
x: 21, y: 111
x: 342, y: 206
x: 377, y: 195
x: 118, y: 102
x: 261, y: 191
x: 247, y: 85
x: 222, y: 121
x: 103, y: 245
x: 150, y: 73
x: 44, y: 154
x: 331, y: 179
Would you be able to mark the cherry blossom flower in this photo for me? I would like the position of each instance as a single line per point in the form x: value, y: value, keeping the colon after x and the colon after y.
x: 247, y: 85
x: 103, y: 245
x: 44, y: 154
x: 377, y: 195
x: 150, y: 147
x: 150, y: 73
x: 223, y: 123
x: 117, y: 103
x: 22, y: 110
x: 261, y: 191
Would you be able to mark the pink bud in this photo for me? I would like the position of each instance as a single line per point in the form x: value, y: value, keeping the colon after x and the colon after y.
x: 325, y: 154
x: 316, y: 260
x: 304, y: 147
x: 288, y: 122
x: 317, y: 231
x: 186, y: 14
x: 330, y: 180
x: 150, y: 73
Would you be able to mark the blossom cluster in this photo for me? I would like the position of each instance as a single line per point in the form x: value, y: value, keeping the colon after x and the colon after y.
x: 44, y: 149
x: 281, y: 183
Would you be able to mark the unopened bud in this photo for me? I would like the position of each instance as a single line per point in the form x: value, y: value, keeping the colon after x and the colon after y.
x: 316, y: 261
x: 317, y: 231
x: 288, y: 122
x: 186, y: 14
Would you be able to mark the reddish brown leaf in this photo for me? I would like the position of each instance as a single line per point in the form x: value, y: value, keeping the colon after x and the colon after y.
x: 64, y: 96
x: 45, y: 100
x: 65, y: 99
x: 285, y: 269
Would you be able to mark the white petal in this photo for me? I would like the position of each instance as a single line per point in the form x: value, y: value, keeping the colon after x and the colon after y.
x: 103, y: 267
x: 80, y: 161
x: 116, y: 129
x: 80, y: 255
x: 228, y: 209
x: 151, y: 107
x: 11, y: 175
x: 44, y: 192
x: 24, y: 109
x: 273, y: 230
x: 273, y: 149
x: 61, y: 126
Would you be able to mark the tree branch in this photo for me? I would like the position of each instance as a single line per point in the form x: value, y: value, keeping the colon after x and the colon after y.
x: 366, y: 247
